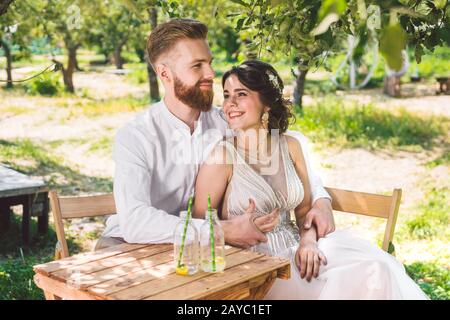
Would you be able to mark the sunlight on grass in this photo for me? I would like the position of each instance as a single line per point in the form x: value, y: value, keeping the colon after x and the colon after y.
x: 35, y: 159
x: 433, y: 218
x: 334, y: 123
x: 96, y: 108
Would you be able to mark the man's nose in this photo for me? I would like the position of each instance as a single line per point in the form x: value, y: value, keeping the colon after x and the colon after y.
x: 210, y: 73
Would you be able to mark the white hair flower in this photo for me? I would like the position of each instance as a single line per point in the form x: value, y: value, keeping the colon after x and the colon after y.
x: 274, y: 80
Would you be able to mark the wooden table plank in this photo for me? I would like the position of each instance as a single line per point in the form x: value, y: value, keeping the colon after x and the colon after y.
x: 48, y: 268
x: 91, y: 269
x: 132, y: 271
x: 173, y: 281
x: 222, y: 281
x: 13, y: 183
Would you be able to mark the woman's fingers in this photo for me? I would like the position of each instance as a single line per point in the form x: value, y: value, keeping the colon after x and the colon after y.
x: 322, y: 258
x: 310, y: 266
x: 316, y: 266
x: 297, y: 259
x: 303, y: 264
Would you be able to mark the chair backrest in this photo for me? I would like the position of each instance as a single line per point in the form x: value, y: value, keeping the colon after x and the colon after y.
x: 77, y: 207
x: 369, y: 204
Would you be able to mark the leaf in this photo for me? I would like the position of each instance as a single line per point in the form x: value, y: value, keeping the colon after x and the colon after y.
x: 239, y: 24
x: 391, y: 248
x: 418, y: 52
x: 332, y: 6
x: 329, y: 12
x: 440, y: 4
x: 242, y: 3
x: 392, y: 42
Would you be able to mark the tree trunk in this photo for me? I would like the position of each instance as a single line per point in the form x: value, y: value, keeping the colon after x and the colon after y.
x: 77, y: 67
x: 8, y: 55
x: 68, y: 72
x: 4, y: 4
x: 299, y: 87
x: 140, y: 53
x: 392, y: 86
x: 152, y: 78
x: 118, y: 60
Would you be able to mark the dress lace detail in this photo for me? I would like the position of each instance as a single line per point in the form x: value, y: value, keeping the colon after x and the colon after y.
x: 284, y: 192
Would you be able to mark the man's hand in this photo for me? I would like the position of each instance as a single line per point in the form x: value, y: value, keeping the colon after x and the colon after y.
x: 267, y: 222
x: 246, y: 230
x: 320, y: 215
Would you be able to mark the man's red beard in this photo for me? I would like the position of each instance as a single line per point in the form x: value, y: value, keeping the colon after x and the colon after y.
x: 193, y: 96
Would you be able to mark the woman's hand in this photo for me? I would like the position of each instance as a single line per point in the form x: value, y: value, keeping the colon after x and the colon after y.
x: 308, y: 259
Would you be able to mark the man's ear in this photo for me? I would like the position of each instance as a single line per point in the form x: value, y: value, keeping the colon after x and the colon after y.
x: 162, y: 71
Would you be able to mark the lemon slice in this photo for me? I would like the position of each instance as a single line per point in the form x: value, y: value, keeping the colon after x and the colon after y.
x: 182, y: 270
x: 220, y: 260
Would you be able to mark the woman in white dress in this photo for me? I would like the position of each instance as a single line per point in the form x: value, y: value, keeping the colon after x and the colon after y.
x: 260, y: 162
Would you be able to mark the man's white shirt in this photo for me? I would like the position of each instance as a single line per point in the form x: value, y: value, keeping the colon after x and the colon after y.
x: 157, y: 160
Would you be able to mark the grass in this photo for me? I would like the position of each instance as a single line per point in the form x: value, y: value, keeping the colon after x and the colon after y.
x: 443, y: 159
x: 334, y: 123
x: 95, y: 108
x: 433, y: 279
x: 36, y: 160
x: 16, y: 262
x: 433, y: 218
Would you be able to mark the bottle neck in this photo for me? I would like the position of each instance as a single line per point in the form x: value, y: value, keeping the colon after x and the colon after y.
x: 183, y: 215
x: 211, y: 215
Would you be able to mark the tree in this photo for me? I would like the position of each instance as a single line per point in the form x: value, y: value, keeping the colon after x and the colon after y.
x: 148, y: 19
x: 15, y: 33
x: 112, y: 29
x: 64, y: 25
x: 309, y: 30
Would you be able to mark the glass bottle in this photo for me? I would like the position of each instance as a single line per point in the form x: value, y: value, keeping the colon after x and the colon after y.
x: 212, y: 248
x: 186, y: 246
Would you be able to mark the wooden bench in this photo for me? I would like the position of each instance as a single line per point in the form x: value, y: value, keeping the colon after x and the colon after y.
x: 19, y: 189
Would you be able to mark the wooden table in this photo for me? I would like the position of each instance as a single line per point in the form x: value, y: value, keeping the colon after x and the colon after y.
x: 32, y: 193
x: 133, y: 271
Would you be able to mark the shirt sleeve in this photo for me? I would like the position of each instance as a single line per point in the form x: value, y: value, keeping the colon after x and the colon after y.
x: 139, y: 221
x: 317, y: 189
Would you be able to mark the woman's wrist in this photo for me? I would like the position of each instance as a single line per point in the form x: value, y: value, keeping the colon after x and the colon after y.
x: 308, y: 236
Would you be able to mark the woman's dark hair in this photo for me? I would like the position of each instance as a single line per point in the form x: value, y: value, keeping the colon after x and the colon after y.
x: 263, y: 78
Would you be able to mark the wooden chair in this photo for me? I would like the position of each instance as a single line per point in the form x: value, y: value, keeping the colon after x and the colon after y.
x: 77, y: 207
x: 369, y: 204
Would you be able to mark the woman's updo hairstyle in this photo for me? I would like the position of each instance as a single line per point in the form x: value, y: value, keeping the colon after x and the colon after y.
x: 263, y: 78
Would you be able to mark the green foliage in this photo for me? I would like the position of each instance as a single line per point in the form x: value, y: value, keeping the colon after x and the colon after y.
x: 138, y: 75
x: 434, y: 216
x: 47, y: 84
x: 392, y: 42
x: 332, y: 122
x: 433, y: 64
x: 444, y: 159
x: 433, y: 279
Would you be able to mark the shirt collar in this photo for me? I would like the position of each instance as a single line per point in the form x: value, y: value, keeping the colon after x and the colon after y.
x: 179, y: 124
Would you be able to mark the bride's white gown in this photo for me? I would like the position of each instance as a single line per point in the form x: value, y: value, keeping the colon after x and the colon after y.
x: 356, y: 269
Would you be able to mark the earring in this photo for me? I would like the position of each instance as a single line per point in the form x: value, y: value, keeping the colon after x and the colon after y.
x: 265, y: 120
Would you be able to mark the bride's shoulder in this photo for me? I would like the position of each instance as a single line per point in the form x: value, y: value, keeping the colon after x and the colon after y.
x: 294, y: 147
